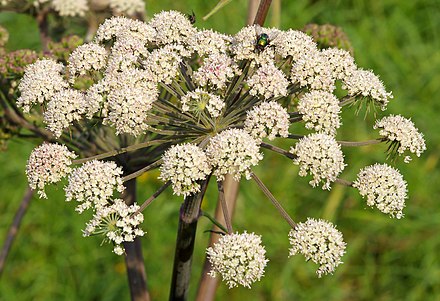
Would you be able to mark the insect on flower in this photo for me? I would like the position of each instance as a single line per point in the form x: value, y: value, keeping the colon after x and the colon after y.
x: 262, y: 41
x: 192, y: 17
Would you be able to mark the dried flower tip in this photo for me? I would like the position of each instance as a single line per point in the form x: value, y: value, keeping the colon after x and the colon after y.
x: 48, y: 163
x: 86, y: 58
x: 397, y: 128
x: 215, y: 71
x: 93, y: 184
x: 320, y: 110
x: 268, y: 119
x: 384, y: 188
x: 238, y: 258
x: 321, y: 156
x: 70, y: 8
x: 367, y: 84
x: 40, y: 82
x: 319, y: 241
x: 117, y: 222
x: 172, y: 27
x: 184, y: 165
x: 197, y: 101
x: 268, y: 81
x: 65, y: 107
x: 234, y: 152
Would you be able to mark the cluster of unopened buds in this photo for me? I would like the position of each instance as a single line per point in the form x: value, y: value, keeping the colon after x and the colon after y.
x: 216, y: 101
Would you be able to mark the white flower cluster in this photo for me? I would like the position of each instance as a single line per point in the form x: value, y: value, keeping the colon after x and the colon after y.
x: 118, y: 222
x: 234, y: 152
x: 93, y: 184
x: 129, y: 7
x: 184, y: 165
x: 238, y: 258
x: 208, y: 42
x: 398, y: 128
x: 384, y: 188
x: 70, y: 8
x: 40, y: 82
x: 319, y: 241
x: 164, y: 64
x: 321, y: 155
x: 320, y: 110
x: 117, y: 26
x: 294, y: 44
x: 48, y: 163
x: 341, y: 63
x: 86, y: 58
x: 367, y: 84
x: 215, y: 71
x: 172, y: 27
x: 268, y: 119
x: 268, y: 81
x: 63, y: 108
x: 197, y: 101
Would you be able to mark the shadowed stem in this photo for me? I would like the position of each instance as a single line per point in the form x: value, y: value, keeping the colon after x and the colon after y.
x: 13, y: 229
x: 262, y: 12
x: 137, y: 277
x: 188, y: 217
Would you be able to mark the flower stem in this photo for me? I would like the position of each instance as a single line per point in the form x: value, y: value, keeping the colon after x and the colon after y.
x: 221, y: 196
x: 186, y: 234
x: 13, y: 229
x: 361, y: 143
x: 344, y: 182
x: 277, y: 205
x: 142, y: 170
x: 278, y: 150
x: 137, y: 277
x: 262, y: 12
x: 153, y: 197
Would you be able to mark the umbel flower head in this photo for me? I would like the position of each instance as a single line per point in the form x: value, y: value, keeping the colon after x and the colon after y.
x: 93, y: 184
x: 269, y: 119
x: 402, y: 131
x: 118, y: 222
x: 48, y: 163
x: 184, y: 165
x: 320, y: 155
x: 238, y: 258
x: 384, y: 188
x: 319, y: 241
x: 233, y: 152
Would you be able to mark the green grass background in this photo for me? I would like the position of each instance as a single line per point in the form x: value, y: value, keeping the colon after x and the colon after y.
x: 386, y: 259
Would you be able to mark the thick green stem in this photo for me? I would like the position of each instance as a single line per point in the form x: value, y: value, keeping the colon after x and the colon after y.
x: 189, y: 215
x: 137, y: 277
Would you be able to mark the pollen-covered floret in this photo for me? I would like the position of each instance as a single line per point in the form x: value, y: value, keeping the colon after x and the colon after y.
x: 319, y: 241
x: 367, y: 84
x: 172, y: 27
x: 234, y: 152
x: 64, y: 108
x: 268, y: 81
x: 268, y: 119
x: 117, y: 222
x: 86, y: 58
x: 384, y: 188
x: 320, y: 111
x: 199, y: 100
x: 238, y: 258
x: 215, y: 71
x: 93, y: 184
x: 40, y: 82
x: 48, y: 163
x: 185, y: 165
x: 397, y: 128
x: 321, y: 156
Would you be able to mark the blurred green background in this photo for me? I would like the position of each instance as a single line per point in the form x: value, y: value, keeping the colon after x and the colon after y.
x: 386, y: 259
